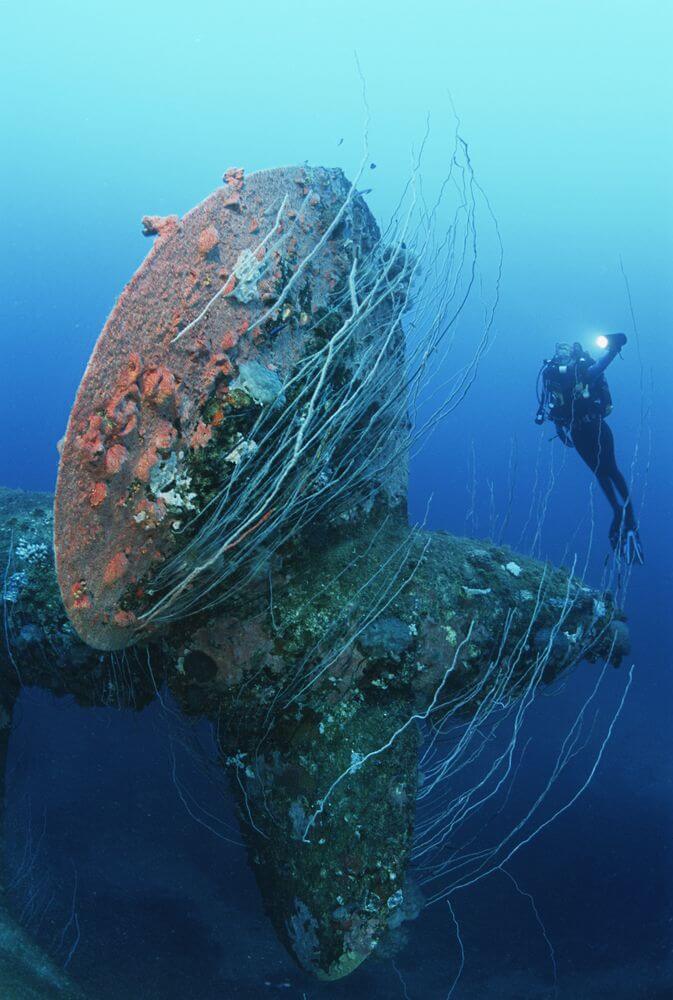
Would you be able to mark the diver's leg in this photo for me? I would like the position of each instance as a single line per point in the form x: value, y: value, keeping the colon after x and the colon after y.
x: 624, y: 536
x: 609, y: 468
x: 595, y: 444
x: 586, y: 437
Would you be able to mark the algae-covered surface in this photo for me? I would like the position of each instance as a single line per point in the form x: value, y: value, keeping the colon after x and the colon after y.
x: 319, y: 679
x: 230, y: 527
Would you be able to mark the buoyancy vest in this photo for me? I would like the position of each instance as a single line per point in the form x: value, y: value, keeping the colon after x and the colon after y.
x: 569, y: 396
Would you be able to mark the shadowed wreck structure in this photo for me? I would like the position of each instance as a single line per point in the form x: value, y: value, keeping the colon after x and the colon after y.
x: 230, y: 522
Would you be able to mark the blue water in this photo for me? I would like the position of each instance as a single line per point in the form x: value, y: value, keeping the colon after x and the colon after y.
x: 111, y: 112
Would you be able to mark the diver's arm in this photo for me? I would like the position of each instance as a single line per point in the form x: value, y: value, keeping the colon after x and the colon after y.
x: 595, y: 370
x: 614, y: 343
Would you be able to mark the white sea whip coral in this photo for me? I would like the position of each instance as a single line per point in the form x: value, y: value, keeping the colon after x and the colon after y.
x: 344, y: 421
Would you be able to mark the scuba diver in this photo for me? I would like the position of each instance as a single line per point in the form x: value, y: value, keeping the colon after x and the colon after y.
x: 573, y: 393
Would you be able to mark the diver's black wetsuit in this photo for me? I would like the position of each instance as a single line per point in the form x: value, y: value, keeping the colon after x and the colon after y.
x: 579, y: 402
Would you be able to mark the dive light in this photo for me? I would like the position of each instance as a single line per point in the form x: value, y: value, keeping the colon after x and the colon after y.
x: 611, y: 341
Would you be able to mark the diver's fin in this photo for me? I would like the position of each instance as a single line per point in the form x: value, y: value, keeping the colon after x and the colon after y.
x: 632, y: 548
x: 628, y: 546
x: 625, y: 540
